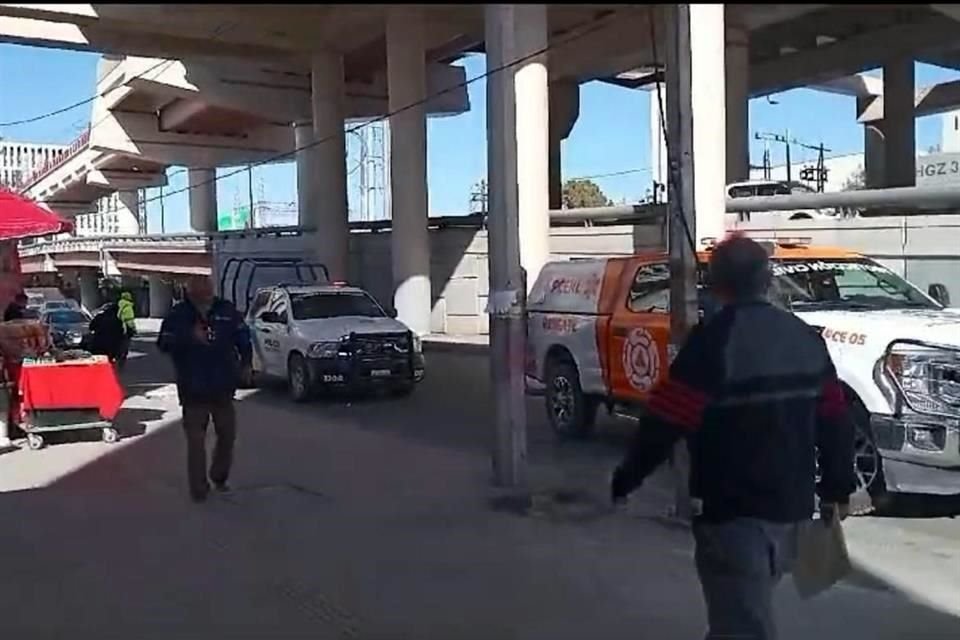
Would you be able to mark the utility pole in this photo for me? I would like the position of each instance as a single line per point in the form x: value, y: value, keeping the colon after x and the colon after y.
x: 249, y: 223
x: 507, y: 284
x: 819, y: 173
x: 163, y: 221
x: 682, y: 216
x: 785, y: 139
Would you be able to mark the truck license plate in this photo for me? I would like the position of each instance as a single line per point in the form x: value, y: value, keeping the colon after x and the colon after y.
x: 380, y: 373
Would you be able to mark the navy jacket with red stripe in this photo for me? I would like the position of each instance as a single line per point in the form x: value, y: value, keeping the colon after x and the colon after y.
x: 757, y: 397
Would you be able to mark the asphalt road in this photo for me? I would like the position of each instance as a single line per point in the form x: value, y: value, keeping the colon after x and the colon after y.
x: 318, y: 472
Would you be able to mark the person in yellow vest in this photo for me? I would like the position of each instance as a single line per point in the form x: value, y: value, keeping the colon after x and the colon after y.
x: 125, y: 312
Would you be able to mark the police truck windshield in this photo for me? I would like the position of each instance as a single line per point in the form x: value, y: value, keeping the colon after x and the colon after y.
x: 313, y: 306
x: 849, y: 283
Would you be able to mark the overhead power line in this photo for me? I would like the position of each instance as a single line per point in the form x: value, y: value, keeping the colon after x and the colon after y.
x: 216, y: 33
x: 573, y: 36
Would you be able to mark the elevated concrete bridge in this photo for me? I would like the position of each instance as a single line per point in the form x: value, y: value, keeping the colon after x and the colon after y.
x: 249, y: 83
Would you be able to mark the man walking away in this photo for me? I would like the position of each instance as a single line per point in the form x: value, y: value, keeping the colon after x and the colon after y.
x: 128, y: 316
x: 211, y: 351
x: 755, y: 393
x: 107, y: 333
x: 16, y: 310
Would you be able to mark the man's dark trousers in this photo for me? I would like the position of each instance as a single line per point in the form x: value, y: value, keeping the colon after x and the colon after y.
x: 739, y: 563
x: 196, y: 416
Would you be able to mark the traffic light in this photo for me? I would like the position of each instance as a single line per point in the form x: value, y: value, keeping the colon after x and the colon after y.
x: 807, y: 174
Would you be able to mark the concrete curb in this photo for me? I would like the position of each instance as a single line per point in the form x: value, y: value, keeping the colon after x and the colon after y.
x: 449, y: 346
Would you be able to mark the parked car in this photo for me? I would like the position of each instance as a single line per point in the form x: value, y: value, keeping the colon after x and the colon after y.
x: 599, y: 333
x: 56, y: 305
x: 69, y: 328
x: 327, y: 336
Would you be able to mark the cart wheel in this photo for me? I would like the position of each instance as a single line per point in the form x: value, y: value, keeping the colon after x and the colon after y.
x: 110, y: 435
x: 34, y: 441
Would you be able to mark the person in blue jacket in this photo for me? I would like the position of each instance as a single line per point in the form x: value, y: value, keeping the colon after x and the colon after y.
x: 211, y: 350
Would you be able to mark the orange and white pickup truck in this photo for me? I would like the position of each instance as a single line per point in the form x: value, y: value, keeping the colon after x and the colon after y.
x: 598, y: 332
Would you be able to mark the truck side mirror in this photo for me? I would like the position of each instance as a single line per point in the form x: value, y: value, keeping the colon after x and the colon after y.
x: 939, y: 293
x: 392, y: 313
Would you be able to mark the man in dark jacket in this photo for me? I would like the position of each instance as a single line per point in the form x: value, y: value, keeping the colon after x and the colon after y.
x: 107, y: 334
x: 16, y: 309
x: 211, y: 351
x: 756, y: 395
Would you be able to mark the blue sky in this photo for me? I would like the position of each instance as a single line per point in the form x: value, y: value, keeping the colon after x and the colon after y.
x: 611, y: 135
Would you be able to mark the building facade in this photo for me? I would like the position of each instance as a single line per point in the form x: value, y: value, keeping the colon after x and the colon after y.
x: 19, y: 159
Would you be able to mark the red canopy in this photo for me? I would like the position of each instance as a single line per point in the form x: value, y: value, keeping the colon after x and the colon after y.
x: 21, y: 218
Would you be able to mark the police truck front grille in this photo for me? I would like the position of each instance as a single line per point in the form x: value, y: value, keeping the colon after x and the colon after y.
x: 382, y: 346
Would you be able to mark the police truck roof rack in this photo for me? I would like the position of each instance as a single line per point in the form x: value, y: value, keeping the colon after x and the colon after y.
x: 297, y: 264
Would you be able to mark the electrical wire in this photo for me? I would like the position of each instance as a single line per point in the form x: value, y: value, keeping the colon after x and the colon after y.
x: 43, y: 116
x: 592, y: 27
x: 674, y: 173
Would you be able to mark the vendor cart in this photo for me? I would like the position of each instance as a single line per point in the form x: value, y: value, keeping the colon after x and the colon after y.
x: 80, y: 394
x: 44, y: 394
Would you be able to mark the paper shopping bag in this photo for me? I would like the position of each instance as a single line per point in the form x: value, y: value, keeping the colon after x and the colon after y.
x: 822, y: 558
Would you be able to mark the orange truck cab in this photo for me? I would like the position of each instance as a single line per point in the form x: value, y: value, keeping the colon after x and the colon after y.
x: 598, y: 334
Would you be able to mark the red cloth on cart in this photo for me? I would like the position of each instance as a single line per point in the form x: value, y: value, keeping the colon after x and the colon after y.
x: 71, y: 385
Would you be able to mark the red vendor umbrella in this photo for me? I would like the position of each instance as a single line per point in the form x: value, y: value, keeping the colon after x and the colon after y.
x: 22, y: 218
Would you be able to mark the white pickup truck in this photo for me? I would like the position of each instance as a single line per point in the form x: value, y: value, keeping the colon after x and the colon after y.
x: 328, y: 336
x: 598, y: 334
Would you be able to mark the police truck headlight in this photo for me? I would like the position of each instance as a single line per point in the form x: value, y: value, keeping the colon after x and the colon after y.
x: 324, y: 349
x: 927, y: 378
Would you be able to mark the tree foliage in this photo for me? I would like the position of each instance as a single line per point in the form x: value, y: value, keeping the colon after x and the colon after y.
x: 580, y: 193
x: 856, y: 180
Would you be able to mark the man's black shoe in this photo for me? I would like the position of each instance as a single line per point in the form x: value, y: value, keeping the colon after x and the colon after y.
x: 222, y: 487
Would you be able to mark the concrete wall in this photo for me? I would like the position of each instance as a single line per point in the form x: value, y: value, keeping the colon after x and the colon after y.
x: 921, y: 248
x: 458, y: 265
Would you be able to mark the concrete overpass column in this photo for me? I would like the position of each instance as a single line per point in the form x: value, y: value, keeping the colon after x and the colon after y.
x: 533, y: 138
x: 306, y: 183
x: 89, y: 289
x: 329, y: 175
x: 898, y: 114
x: 874, y: 139
x: 737, y: 70
x: 564, y: 111
x: 129, y: 214
x: 409, y: 241
x: 696, y: 117
x: 203, y: 199
x: 161, y: 296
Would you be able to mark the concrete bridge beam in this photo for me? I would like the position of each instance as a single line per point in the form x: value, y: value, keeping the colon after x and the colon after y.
x: 900, y: 147
x: 161, y: 295
x: 203, y: 199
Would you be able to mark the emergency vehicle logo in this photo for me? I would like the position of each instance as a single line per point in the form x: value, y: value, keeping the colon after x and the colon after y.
x: 641, y: 359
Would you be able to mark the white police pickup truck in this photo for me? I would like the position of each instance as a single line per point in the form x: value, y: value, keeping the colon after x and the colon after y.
x: 329, y: 337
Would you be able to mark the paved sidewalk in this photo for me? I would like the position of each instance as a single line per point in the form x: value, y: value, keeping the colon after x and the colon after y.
x: 351, y: 521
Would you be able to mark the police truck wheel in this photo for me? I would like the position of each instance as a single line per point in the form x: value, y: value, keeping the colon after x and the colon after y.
x: 298, y: 378
x: 569, y: 411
